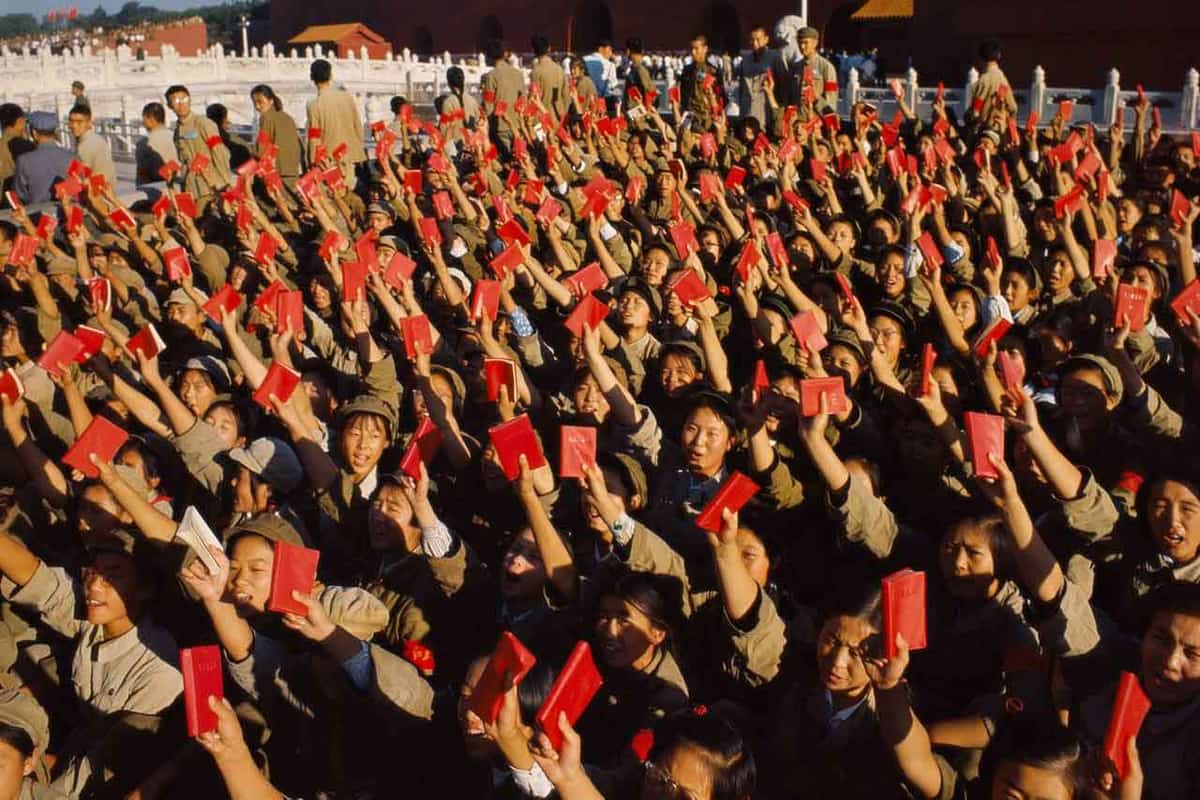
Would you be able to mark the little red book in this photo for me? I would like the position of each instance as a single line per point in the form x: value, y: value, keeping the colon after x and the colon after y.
x: 508, y: 260
x: 930, y: 252
x: 92, y: 340
x: 514, y: 439
x: 1180, y: 206
x: 314, y: 134
x: 146, y: 341
x: 761, y: 383
x: 903, y: 596
x: 844, y: 284
x: 985, y: 436
x: 513, y: 233
x: 280, y: 381
x: 586, y: 280
x: 777, y: 250
x: 577, y: 449
x: 735, y: 177
x: 588, y: 310
x: 807, y: 331
x: 11, y: 386
x: 225, y: 299
x: 364, y: 250
x: 443, y: 206
x: 413, y: 180
x: 928, y: 359
x: 64, y: 348
x: 430, y: 231
x: 747, y: 260
x: 734, y: 493
x: 710, y: 186
x: 74, y: 219
x: 1130, y: 707
x: 547, y: 211
x: 688, y: 287
x: 399, y: 269
x: 485, y: 300
x: 498, y: 372
x: 161, y: 207
x: 99, y: 292
x: 1104, y: 257
x: 510, y: 658
x: 177, y: 264
x: 289, y: 311
x: 340, y: 151
x: 1133, y: 306
x: 575, y: 687
x: 993, y: 333
x: 354, y: 280
x: 46, y: 225
x: 294, y: 569
x: 417, y: 335
x: 101, y: 437
x: 1189, y: 298
x: 683, y: 235
x: 201, y: 668
x: 23, y: 249
x: 813, y: 389
x: 817, y: 168
x: 421, y: 448
x: 185, y: 204
x: 200, y: 162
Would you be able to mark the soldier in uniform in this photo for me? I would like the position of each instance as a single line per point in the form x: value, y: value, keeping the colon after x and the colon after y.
x: 196, y: 134
x: 637, y: 76
x: 335, y: 113
x: 90, y: 147
x: 42, y: 167
x: 501, y: 88
x: 548, y: 77
x: 991, y: 78
x: 693, y: 96
x: 823, y: 73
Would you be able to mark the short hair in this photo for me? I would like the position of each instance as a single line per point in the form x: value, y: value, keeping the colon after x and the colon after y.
x: 1041, y: 741
x: 321, y: 71
x: 175, y: 89
x: 1175, y: 597
x: 989, y: 50
x: 398, y: 103
x: 155, y: 111
x: 540, y: 44
x: 10, y: 113
x: 494, y: 49
x: 81, y: 110
x: 729, y: 759
x: 701, y: 38
x: 634, y: 45
x: 77, y: 85
x: 18, y: 739
x: 217, y: 112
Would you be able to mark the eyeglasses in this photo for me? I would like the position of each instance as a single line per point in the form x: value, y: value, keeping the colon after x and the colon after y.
x: 664, y: 787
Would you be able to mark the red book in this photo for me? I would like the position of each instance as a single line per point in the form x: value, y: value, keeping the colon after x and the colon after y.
x: 807, y: 331
x: 185, y: 204
x: 795, y: 201
x: 201, y: 668
x: 1130, y: 707
x: 430, y: 231
x: 507, y: 261
x: 99, y: 292
x: 74, y: 219
x: 985, y: 435
x: 242, y: 220
x: 673, y: 94
x: 485, y: 300
x: 817, y: 168
x: 734, y: 493
x: 443, y: 206
x: 23, y: 249
x: 333, y: 178
x: 1180, y: 206
x: 747, y: 260
x: 399, y: 270
x: 177, y: 264
x: 1089, y: 165
x: 688, y: 287
x: 280, y: 381
x: 294, y: 569
x: 102, y: 438
x: 761, y: 383
x: 993, y: 253
x: 354, y: 280
x: 289, y: 311
x: 1010, y: 371
x: 1187, y: 299
x: 777, y: 250
x: 364, y: 250
x: 265, y: 301
x: 546, y: 213
x: 510, y: 658
x: 512, y: 231
x: 331, y: 244
x: 586, y: 280
x: 63, y: 349
x: 903, y: 596
x: 575, y: 687
x: 928, y: 359
x: 532, y: 194
x: 513, y: 439
x: 1104, y: 257
x: 340, y: 151
x: 498, y: 372
x: 634, y: 189
x: 11, y: 386
x: 46, y: 225
x: 683, y: 235
x: 813, y: 389
x: 413, y: 180
x: 930, y: 252
x: 225, y: 299
x: 421, y: 448
x: 97, y: 183
x: 735, y: 177
x: 1133, y: 306
x: 248, y: 168
x: 161, y: 207
x: 1065, y: 109
x: 594, y: 207
x: 577, y: 449
x: 147, y: 342
x: 588, y: 310
x: 992, y: 333
x: 200, y: 162
x: 314, y: 134
x: 417, y: 335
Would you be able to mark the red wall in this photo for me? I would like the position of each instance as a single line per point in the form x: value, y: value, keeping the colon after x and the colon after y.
x: 188, y: 39
x: 354, y: 43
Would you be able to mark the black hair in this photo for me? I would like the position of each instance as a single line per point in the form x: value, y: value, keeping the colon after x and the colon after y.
x: 243, y: 424
x: 992, y: 526
x: 494, y: 50
x: 175, y: 88
x: 1175, y: 597
x: 18, y: 739
x: 989, y: 50
x: 716, y: 404
x: 10, y: 113
x: 634, y: 46
x: 148, y: 456
x: 855, y: 597
x: 540, y: 44
x: 218, y: 113
x: 1039, y: 740
x: 155, y: 111
x: 269, y: 93
x: 647, y: 594
x: 8, y: 231
x: 730, y: 761
x: 321, y: 71
x: 534, y: 688
x: 456, y: 79
x: 82, y: 110
x: 398, y: 103
x: 678, y: 348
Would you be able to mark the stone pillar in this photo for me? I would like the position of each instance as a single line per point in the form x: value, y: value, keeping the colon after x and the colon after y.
x: 269, y: 55
x: 1189, y: 104
x: 968, y: 90
x: 1037, y: 91
x: 1112, y: 100
x: 851, y: 93
x: 911, y: 85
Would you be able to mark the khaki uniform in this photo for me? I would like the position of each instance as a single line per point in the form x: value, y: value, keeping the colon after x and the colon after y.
x: 94, y: 152
x: 507, y: 83
x: 825, y: 82
x: 8, y: 161
x: 552, y: 82
x: 282, y: 129
x: 336, y: 113
x: 988, y: 84
x: 192, y: 134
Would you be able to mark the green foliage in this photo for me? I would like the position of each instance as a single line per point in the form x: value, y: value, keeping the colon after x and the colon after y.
x: 17, y: 25
x: 221, y: 20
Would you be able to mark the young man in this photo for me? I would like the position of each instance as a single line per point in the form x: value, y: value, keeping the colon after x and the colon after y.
x: 77, y: 92
x: 637, y: 76
x: 13, y: 143
x: 501, y: 88
x: 991, y: 78
x: 823, y: 73
x: 753, y: 82
x: 158, y: 147
x: 40, y: 169
x: 335, y: 114
x: 603, y: 72
x: 693, y: 96
x: 548, y: 77
x: 196, y: 134
x: 90, y: 148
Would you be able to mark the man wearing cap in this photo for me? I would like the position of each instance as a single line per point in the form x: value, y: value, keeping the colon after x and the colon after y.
x: 13, y: 143
x: 90, y: 148
x: 196, y: 134
x: 815, y: 67
x: 639, y: 308
x: 268, y: 471
x: 42, y: 167
x: 335, y: 114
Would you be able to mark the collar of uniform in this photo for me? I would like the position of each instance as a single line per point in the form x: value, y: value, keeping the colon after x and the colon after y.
x: 101, y: 650
x: 838, y: 718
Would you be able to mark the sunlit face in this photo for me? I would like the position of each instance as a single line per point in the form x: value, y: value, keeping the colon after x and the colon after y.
x: 711, y: 242
x: 841, y: 360
x: 196, y: 391
x: 1016, y: 290
x: 1016, y: 781
x: 226, y: 423
x: 888, y: 336
x: 677, y: 372
x: 13, y: 769
x: 1058, y: 273
x: 635, y: 312
x: 322, y: 298
x: 363, y: 441
x: 1173, y: 515
x: 842, y: 235
x: 699, y: 50
x: 754, y: 556
x: 111, y: 588
x: 1083, y: 395
x: 841, y: 646
x: 180, y: 103
x: 962, y: 303
x: 1142, y: 277
x: 683, y: 773
x: 250, y: 565
x: 10, y: 342
x: 625, y: 637
x: 390, y: 521
x: 590, y: 401
x: 522, y: 571
x: 261, y: 103
x: 807, y: 46
x: 967, y: 564
x: 759, y: 39
x: 1170, y: 669
x: 890, y: 276
x: 655, y: 266
x: 186, y: 315
x: 1128, y: 216
x: 705, y: 440
x: 79, y: 125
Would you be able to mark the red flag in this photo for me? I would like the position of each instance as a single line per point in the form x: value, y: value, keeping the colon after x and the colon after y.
x: 73, y: 13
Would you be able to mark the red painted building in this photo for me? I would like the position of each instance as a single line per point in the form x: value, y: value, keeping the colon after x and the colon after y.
x: 347, y: 38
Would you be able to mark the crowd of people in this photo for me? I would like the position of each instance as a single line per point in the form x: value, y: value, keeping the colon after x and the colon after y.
x: 501, y: 373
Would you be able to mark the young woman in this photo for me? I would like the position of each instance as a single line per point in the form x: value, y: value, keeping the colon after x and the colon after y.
x: 278, y: 128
